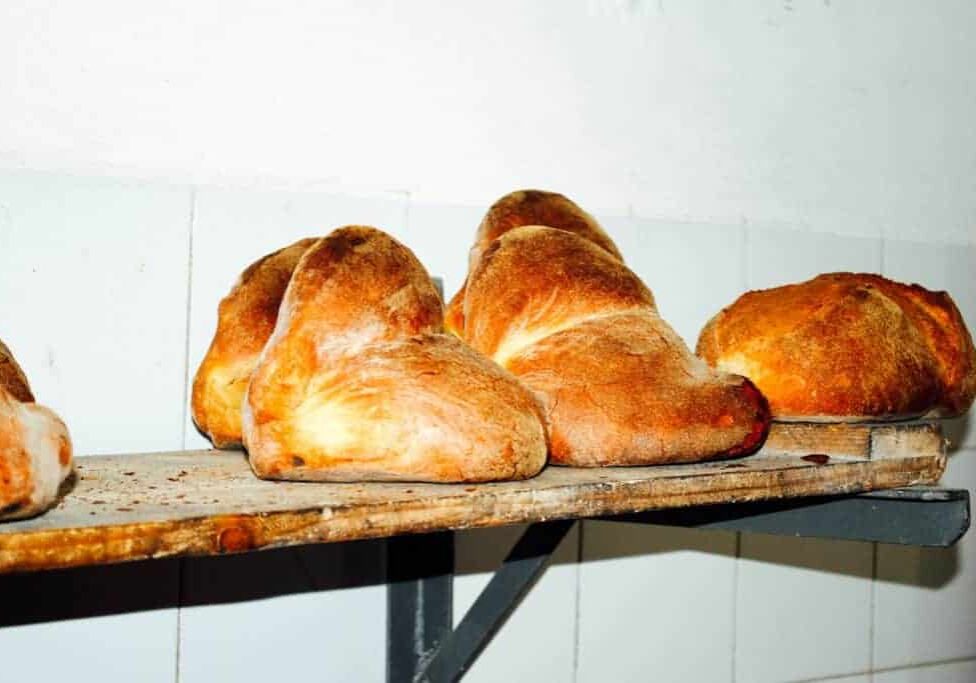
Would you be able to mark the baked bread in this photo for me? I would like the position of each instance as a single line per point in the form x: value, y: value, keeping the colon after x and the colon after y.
x: 618, y: 385
x: 245, y: 319
x: 520, y: 208
x: 847, y: 347
x: 35, y: 450
x: 359, y: 382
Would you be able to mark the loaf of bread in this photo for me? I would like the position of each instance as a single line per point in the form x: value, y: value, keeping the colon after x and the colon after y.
x: 245, y: 319
x: 520, y: 208
x: 359, y: 381
x: 619, y: 387
x: 35, y: 449
x: 847, y: 346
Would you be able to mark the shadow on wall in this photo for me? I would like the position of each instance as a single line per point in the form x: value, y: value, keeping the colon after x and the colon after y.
x: 159, y: 584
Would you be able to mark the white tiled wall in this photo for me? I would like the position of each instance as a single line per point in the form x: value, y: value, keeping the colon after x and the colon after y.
x: 294, y: 614
x: 654, y: 599
x: 93, y: 305
x: 809, y: 602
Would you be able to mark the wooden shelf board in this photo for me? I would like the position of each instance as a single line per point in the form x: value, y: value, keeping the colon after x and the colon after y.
x: 130, y: 507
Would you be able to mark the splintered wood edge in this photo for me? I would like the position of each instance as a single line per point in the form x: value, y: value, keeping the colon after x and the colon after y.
x: 232, y: 533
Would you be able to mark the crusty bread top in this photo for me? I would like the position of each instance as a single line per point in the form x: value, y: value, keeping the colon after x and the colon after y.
x: 537, y: 207
x: 12, y: 378
x: 848, y: 345
x: 247, y: 315
x: 521, y: 208
x: 349, y: 290
x: 535, y: 281
x: 245, y: 319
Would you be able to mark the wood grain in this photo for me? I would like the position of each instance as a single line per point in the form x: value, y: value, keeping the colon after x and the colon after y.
x: 130, y: 507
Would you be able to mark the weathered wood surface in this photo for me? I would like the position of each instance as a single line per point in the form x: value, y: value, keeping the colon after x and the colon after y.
x: 131, y: 507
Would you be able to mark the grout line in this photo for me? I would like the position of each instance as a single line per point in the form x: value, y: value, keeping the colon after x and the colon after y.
x: 883, y: 239
x: 579, y: 581
x: 179, y: 617
x: 735, y: 603
x: 181, y: 565
x: 189, y: 301
x: 870, y: 673
x: 874, y: 605
x: 926, y: 665
x: 831, y: 677
x: 407, y: 202
x: 745, y: 261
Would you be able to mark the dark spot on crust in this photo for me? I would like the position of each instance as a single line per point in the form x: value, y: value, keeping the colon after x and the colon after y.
x: 297, y: 461
x: 817, y: 458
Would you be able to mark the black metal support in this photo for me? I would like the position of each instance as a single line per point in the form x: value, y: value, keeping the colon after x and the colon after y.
x: 419, y: 600
x: 915, y: 516
x: 497, y: 601
x: 423, y: 647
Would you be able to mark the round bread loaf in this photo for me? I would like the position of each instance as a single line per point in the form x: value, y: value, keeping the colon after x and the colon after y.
x: 847, y: 346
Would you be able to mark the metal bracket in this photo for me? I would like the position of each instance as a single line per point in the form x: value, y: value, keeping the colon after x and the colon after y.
x: 422, y: 647
x: 419, y: 600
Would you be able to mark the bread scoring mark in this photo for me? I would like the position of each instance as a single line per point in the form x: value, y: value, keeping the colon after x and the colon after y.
x: 527, y: 332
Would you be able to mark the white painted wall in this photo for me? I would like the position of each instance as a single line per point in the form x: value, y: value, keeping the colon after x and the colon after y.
x: 149, y: 150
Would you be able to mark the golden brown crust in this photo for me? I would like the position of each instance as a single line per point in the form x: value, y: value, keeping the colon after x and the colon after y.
x: 245, y: 319
x: 847, y: 346
x: 358, y: 381
x: 571, y: 280
x: 12, y: 378
x: 16, y: 472
x: 623, y: 390
x: 35, y: 449
x: 519, y: 209
x: 537, y: 207
x: 618, y: 386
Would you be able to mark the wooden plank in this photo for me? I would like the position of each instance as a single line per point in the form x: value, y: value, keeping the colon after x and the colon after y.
x: 131, y: 507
